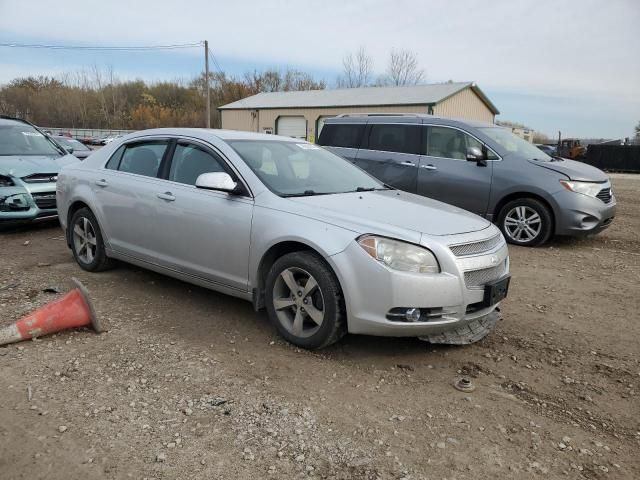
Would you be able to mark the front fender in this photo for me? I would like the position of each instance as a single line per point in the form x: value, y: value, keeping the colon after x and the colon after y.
x: 271, y: 227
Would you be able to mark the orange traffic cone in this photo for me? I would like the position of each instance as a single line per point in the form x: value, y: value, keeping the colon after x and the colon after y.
x: 71, y: 311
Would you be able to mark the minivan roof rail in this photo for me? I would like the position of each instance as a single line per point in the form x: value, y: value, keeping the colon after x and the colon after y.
x: 343, y: 115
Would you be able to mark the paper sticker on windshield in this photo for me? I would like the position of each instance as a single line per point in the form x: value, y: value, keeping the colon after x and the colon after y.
x: 32, y: 134
x: 308, y: 146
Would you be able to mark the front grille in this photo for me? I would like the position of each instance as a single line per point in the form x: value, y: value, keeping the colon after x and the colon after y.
x: 476, y: 248
x: 41, y: 178
x: 45, y: 200
x: 605, y: 195
x: 479, y: 278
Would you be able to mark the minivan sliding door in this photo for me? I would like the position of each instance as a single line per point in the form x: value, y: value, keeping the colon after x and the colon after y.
x: 391, y: 153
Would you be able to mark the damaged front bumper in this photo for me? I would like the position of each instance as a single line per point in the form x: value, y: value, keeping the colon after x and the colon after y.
x: 20, y: 204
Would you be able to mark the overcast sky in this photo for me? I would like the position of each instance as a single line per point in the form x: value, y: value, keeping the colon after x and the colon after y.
x: 553, y: 65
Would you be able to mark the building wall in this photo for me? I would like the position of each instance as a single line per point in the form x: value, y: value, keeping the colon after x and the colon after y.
x: 468, y: 106
x: 465, y: 104
x: 238, y: 120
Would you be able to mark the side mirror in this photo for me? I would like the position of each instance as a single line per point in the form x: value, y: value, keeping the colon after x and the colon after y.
x: 474, y: 154
x: 219, y: 181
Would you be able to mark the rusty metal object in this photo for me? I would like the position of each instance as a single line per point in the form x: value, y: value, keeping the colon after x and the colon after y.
x: 464, y: 384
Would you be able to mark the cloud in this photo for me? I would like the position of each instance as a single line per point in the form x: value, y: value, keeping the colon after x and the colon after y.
x: 581, y: 49
x: 584, y: 46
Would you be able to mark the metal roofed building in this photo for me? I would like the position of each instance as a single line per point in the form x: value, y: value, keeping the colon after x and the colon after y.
x: 301, y: 114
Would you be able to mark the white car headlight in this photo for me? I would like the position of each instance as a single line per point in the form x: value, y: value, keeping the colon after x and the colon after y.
x: 398, y: 255
x: 586, y: 188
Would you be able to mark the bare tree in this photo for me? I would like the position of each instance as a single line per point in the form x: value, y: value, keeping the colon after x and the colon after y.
x: 403, y: 69
x: 539, y: 137
x: 357, y: 70
x: 637, y: 130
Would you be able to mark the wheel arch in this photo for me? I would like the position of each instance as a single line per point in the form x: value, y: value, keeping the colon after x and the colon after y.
x: 273, y: 253
x: 73, y: 208
x: 519, y: 195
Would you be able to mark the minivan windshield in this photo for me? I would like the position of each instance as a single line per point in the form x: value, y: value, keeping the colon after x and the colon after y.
x: 292, y: 169
x: 514, y: 144
x: 23, y: 139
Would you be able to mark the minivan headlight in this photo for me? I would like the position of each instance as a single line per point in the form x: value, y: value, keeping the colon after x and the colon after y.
x: 586, y: 188
x: 398, y: 255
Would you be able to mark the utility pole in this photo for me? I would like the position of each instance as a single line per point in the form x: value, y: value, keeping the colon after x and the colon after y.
x: 206, y: 76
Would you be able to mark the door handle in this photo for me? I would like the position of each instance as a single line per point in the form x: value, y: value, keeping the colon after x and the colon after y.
x: 429, y: 167
x: 102, y: 182
x: 168, y: 196
x: 408, y: 164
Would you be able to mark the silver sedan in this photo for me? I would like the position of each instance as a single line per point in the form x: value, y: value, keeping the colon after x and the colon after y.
x: 323, y: 246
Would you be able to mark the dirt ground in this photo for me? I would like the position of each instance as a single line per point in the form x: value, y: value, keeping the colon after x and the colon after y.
x: 191, y: 384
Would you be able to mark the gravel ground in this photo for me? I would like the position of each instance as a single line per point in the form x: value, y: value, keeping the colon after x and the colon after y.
x: 188, y: 383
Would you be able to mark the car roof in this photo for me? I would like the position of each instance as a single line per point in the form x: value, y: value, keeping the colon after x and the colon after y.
x: 223, y: 135
x: 418, y: 118
x: 7, y: 120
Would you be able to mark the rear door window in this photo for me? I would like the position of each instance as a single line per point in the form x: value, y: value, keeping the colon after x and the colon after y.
x: 341, y: 135
x: 143, y: 158
x: 395, y: 138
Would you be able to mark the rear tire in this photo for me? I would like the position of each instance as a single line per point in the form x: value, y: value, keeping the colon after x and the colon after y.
x: 304, y: 300
x: 87, y: 243
x: 526, y: 222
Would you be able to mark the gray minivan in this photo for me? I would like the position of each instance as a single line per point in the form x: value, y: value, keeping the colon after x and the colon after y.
x: 479, y: 167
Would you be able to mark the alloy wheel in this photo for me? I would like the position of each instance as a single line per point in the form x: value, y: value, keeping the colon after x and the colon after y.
x: 298, y: 302
x: 522, y: 224
x: 84, y: 240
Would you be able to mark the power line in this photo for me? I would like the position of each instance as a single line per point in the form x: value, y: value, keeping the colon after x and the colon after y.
x: 113, y: 48
x: 215, y: 62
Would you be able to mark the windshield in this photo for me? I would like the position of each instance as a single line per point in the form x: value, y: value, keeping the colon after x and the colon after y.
x: 70, y: 142
x: 514, y: 144
x: 297, y: 169
x: 22, y: 139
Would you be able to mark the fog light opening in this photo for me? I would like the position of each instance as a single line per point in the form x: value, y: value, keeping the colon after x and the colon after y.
x: 413, y: 314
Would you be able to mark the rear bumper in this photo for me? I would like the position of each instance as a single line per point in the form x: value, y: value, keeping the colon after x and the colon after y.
x: 580, y: 215
x: 25, y: 204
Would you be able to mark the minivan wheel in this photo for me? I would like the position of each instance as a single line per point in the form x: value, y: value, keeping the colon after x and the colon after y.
x: 87, y: 244
x: 304, y: 300
x: 526, y: 222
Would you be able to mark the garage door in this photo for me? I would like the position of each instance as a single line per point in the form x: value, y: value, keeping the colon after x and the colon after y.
x: 292, y: 127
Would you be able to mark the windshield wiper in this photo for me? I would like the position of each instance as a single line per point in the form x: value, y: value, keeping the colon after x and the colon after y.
x: 306, y: 193
x: 374, y: 189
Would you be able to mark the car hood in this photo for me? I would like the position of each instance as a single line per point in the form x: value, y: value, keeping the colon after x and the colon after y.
x: 390, y: 211
x: 575, y: 170
x: 23, y: 165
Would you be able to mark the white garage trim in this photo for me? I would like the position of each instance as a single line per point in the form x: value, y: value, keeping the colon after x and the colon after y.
x: 320, y: 124
x: 291, y: 126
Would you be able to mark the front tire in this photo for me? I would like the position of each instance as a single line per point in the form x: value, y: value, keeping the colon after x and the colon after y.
x: 304, y: 300
x: 526, y: 222
x: 87, y: 243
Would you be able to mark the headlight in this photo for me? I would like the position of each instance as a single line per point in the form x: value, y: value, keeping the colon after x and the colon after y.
x: 400, y: 255
x: 6, y: 181
x: 585, y: 188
